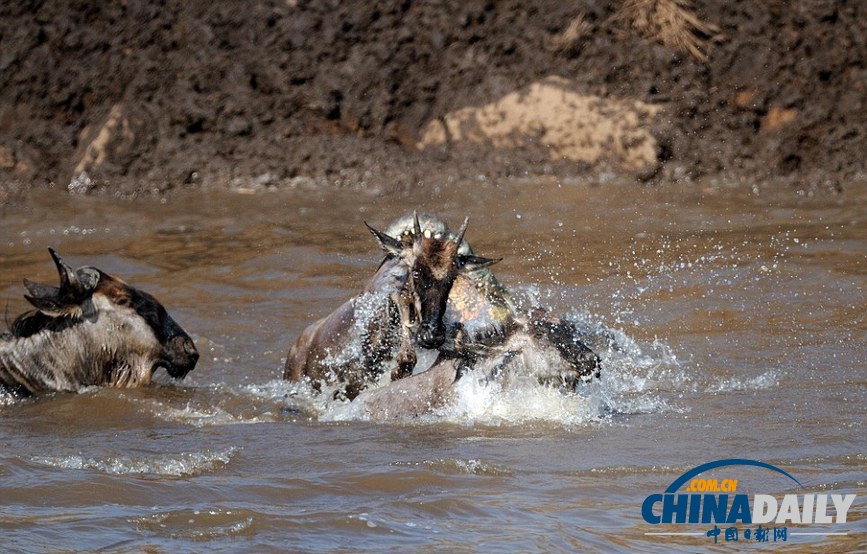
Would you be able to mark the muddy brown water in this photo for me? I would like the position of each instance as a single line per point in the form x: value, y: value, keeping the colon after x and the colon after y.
x: 740, y: 321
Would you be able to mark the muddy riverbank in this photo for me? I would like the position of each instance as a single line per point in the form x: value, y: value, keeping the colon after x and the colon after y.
x: 137, y: 97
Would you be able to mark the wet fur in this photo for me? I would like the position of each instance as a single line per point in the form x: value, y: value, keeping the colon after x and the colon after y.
x: 411, y: 288
x: 539, y: 347
x: 323, y: 352
x: 98, y: 331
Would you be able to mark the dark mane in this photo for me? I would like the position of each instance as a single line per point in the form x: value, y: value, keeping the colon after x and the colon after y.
x: 30, y: 323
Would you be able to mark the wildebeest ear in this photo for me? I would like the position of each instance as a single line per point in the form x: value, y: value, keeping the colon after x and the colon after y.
x: 73, y: 295
x: 88, y: 277
x: 468, y: 262
x: 38, y: 290
x: 44, y: 298
x: 388, y: 243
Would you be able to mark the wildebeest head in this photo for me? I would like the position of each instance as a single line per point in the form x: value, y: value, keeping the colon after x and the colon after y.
x: 125, y: 319
x: 432, y: 262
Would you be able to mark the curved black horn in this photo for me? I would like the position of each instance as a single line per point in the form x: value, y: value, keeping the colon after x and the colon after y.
x: 68, y: 278
x: 459, y: 238
x: 416, y: 226
x: 73, y: 295
x: 387, y: 242
x: 38, y: 290
x: 78, y: 283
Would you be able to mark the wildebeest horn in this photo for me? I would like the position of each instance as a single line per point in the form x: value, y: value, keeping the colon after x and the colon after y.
x: 416, y: 226
x: 460, y: 236
x: 68, y: 278
x: 38, y: 290
x: 73, y: 293
x: 388, y: 243
x: 79, y: 283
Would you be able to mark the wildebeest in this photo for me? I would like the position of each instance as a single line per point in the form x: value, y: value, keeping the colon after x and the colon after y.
x: 93, y: 330
x: 487, y: 331
x: 492, y: 337
x: 402, y: 308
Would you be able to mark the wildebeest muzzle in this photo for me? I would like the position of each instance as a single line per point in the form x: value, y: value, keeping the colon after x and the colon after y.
x: 431, y: 335
x: 182, y: 356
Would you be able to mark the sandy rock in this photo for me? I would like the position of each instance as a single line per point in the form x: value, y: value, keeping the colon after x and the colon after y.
x: 97, y: 141
x: 551, y: 112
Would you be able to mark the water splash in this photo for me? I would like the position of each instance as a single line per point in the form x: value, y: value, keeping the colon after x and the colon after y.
x: 636, y: 379
x: 8, y: 399
x: 478, y: 402
x: 188, y: 464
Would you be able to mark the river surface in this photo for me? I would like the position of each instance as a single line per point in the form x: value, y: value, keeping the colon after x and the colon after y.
x: 739, y: 318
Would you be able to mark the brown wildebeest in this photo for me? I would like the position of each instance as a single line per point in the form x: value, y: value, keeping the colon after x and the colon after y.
x: 402, y: 307
x: 93, y: 330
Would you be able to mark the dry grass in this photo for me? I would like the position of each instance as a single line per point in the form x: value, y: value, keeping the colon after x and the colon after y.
x: 671, y: 22
x: 572, y: 37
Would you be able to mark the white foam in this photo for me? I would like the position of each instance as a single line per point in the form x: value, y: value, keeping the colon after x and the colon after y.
x: 7, y: 399
x: 489, y: 403
x: 179, y: 465
x: 636, y: 379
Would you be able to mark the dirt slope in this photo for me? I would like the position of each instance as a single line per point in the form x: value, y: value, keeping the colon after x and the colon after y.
x: 137, y: 96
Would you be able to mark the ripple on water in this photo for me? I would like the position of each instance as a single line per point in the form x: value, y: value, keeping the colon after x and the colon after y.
x: 188, y: 464
x: 221, y: 404
x: 206, y: 416
x: 457, y: 466
x: 198, y: 525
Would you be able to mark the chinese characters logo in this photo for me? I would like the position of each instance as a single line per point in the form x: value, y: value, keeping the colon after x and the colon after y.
x: 732, y: 516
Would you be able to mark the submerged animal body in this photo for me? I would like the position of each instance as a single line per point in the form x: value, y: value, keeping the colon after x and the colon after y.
x: 537, y: 349
x: 402, y: 309
x: 540, y: 346
x: 94, y: 329
x: 489, y: 333
x: 355, y: 343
